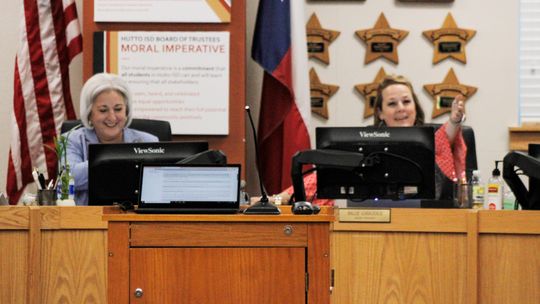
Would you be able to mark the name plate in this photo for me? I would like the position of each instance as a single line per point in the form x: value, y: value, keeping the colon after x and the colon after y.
x: 364, y: 215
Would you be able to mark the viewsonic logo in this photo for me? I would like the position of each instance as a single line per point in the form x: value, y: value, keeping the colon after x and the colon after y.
x: 149, y: 150
x: 374, y: 134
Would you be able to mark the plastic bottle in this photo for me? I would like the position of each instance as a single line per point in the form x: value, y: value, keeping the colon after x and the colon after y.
x: 478, y: 190
x: 509, y: 201
x: 495, y: 190
x: 71, y: 187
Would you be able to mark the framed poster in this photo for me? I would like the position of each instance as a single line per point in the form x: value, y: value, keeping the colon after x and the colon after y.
x: 212, y: 11
x: 181, y: 77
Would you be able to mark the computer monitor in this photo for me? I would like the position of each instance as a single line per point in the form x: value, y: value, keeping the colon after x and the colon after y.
x: 398, y: 163
x: 526, y: 165
x: 114, y: 169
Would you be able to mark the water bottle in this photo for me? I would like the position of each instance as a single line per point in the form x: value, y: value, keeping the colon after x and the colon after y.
x: 71, y: 187
x: 495, y: 190
x: 478, y: 190
x: 509, y: 201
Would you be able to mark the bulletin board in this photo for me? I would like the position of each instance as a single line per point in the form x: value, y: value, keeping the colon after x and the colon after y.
x: 232, y: 144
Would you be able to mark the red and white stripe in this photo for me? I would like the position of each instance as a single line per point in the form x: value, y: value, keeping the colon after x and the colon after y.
x: 50, y: 38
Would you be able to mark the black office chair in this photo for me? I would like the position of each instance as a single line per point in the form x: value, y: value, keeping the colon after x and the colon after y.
x: 159, y: 128
x: 470, y: 158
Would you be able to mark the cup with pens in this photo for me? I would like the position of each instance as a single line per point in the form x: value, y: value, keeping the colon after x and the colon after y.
x: 46, y: 193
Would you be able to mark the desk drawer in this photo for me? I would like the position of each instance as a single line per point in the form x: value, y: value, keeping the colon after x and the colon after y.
x: 163, y: 234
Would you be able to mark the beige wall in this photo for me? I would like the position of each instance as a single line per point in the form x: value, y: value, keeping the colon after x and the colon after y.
x: 492, y: 65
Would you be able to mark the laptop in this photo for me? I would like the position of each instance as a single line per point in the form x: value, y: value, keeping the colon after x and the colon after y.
x: 182, y: 188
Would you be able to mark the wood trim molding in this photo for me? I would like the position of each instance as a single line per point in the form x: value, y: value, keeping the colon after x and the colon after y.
x: 520, y: 137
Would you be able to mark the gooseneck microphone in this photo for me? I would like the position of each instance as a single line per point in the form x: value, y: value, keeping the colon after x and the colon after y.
x: 263, y: 206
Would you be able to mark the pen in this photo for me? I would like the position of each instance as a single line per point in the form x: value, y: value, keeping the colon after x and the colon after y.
x: 50, y: 184
x: 41, y: 179
x: 36, y: 179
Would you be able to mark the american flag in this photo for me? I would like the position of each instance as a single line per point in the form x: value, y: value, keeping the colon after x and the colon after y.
x: 50, y: 38
x: 279, y: 46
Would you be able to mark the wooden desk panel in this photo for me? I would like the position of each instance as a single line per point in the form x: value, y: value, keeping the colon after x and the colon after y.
x: 239, y: 275
x: 439, y: 256
x: 79, y: 255
x: 216, y: 234
x: 13, y: 265
x: 52, y: 255
x: 399, y: 267
x: 257, y: 258
x: 509, y: 257
x: 401, y: 262
x: 510, y: 269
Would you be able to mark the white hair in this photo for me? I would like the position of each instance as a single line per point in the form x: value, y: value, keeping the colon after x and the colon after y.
x: 97, y: 84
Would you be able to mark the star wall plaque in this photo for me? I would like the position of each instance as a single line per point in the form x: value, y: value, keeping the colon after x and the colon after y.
x: 449, y: 41
x: 369, y: 91
x: 320, y: 94
x: 444, y: 93
x: 318, y: 39
x: 382, y: 41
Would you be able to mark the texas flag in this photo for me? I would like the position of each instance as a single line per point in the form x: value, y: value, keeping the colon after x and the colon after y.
x: 279, y: 46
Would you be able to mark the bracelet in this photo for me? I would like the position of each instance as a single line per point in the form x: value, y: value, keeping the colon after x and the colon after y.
x: 462, y: 120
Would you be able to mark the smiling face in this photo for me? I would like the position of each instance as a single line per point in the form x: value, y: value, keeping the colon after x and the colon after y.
x: 109, y: 117
x: 398, y: 108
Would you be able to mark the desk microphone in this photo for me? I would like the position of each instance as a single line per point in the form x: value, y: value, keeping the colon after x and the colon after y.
x: 263, y: 206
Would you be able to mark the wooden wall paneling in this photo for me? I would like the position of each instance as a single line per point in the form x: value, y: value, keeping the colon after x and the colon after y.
x: 319, y: 263
x: 118, y: 262
x: 215, y: 234
x: 34, y: 256
x: 472, y: 258
x: 233, y: 144
x: 13, y: 266
x: 196, y: 275
x: 414, y: 219
x: 14, y: 218
x: 74, y: 268
x: 508, y: 259
x: 509, y: 269
x: 399, y: 267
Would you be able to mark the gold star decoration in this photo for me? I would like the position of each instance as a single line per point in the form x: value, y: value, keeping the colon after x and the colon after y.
x: 449, y: 41
x: 320, y: 94
x: 382, y: 41
x: 369, y: 91
x: 318, y: 39
x: 444, y: 93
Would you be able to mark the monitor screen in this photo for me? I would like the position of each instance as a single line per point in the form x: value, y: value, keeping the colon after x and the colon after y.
x: 399, y: 163
x: 187, y: 186
x: 114, y: 169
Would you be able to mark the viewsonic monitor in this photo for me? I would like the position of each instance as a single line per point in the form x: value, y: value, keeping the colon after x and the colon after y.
x: 399, y: 163
x: 114, y: 169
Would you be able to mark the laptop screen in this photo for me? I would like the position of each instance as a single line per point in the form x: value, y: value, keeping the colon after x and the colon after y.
x: 189, y: 186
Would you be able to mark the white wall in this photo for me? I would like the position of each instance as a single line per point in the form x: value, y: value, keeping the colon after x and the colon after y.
x: 492, y: 65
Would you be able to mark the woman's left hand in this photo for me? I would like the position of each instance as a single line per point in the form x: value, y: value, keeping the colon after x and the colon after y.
x: 457, y: 115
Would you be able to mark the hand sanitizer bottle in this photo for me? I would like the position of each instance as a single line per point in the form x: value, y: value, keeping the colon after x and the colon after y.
x: 495, y: 190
